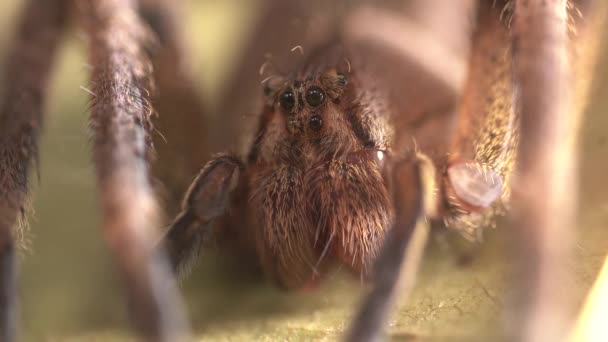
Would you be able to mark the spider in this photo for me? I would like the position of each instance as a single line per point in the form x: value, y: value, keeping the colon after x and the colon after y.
x: 382, y: 124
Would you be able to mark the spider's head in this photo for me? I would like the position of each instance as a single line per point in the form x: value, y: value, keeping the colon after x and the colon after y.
x: 317, y: 176
x: 323, y: 108
x: 303, y: 101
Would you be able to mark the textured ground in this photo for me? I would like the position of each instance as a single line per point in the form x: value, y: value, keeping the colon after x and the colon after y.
x: 69, y: 292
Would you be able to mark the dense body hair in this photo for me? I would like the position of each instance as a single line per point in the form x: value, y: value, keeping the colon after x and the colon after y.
x: 317, y: 191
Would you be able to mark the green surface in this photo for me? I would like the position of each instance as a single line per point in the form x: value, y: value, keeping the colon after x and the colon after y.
x: 70, y: 293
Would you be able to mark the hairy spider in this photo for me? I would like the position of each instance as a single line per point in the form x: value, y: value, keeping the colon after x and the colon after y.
x: 383, y: 123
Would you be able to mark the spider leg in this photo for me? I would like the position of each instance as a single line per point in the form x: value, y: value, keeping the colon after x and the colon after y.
x: 182, y: 120
x: 483, y: 148
x: 412, y: 51
x: 397, y: 265
x: 27, y: 72
x: 120, y: 111
x: 206, y: 199
x: 544, y: 188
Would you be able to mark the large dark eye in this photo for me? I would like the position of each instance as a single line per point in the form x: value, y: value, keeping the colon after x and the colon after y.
x: 315, y: 96
x: 287, y: 100
x: 315, y: 123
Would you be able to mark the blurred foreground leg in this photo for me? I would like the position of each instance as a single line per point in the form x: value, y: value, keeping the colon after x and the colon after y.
x: 120, y: 122
x: 29, y: 62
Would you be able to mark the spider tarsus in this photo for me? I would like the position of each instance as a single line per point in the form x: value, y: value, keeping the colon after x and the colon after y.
x: 206, y: 199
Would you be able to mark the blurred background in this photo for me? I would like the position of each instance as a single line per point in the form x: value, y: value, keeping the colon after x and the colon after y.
x: 68, y: 289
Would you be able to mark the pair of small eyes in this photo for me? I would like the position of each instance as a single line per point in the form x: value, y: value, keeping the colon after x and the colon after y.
x: 315, y: 96
x: 314, y: 122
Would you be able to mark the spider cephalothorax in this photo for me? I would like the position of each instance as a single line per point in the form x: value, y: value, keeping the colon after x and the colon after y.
x: 317, y: 191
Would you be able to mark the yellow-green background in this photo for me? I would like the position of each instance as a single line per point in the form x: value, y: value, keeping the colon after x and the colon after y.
x: 68, y: 289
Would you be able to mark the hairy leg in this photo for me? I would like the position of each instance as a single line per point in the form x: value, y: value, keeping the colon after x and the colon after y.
x: 182, y: 123
x: 30, y: 60
x: 550, y: 70
x: 403, y: 50
x: 397, y: 265
x: 483, y: 148
x: 120, y: 122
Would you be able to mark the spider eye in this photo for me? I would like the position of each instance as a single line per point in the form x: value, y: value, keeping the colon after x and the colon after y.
x: 315, y: 96
x: 287, y: 101
x: 315, y: 123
